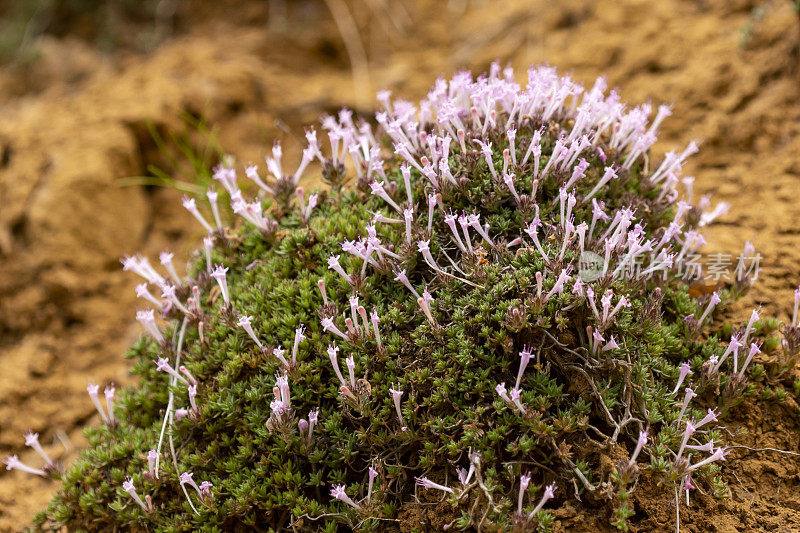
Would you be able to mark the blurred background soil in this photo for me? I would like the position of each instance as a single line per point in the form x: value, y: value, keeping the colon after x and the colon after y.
x: 80, y: 88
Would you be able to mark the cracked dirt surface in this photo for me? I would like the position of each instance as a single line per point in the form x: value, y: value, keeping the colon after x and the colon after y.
x: 66, y: 309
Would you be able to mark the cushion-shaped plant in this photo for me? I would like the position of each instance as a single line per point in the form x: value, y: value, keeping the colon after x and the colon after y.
x: 494, y: 309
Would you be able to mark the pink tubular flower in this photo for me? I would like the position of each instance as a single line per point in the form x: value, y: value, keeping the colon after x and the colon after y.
x: 227, y: 177
x: 219, y: 274
x: 251, y: 171
x: 474, y: 220
x: 168, y: 293
x: 450, y: 219
x: 354, y: 308
x: 464, y: 475
x: 278, y: 353
x: 350, y: 362
x: 375, y: 319
x: 408, y: 216
x: 362, y: 313
x: 715, y: 299
x: 685, y: 371
x: 733, y: 348
x: 328, y: 325
x: 166, y: 260
x: 192, y: 391
x: 754, y: 349
x: 333, y: 355
x: 405, y: 170
x: 128, y: 487
x: 148, y: 320
x: 186, y: 479
x: 597, y: 339
x: 191, y: 206
x: 282, y: 401
x: 162, y: 364
x: 515, y: 395
x: 501, y: 391
x: 143, y: 292
x: 274, y: 164
x: 313, y: 417
x: 108, y: 392
x: 577, y: 287
x: 244, y: 322
x: 707, y: 447
x: 686, y: 399
x: 396, y: 396
x: 189, y: 377
x: 710, y: 417
x: 512, y: 134
x: 32, y: 441
x: 508, y: 179
x: 718, y: 455
x: 333, y: 264
x: 524, y: 357
x: 796, y: 307
x: 93, y: 389
x: 400, y: 276
x: 598, y: 213
x: 282, y: 386
x: 424, y: 249
x: 623, y: 302
x: 558, y: 287
x: 141, y: 266
x: 372, y: 475
x: 549, y: 493
x: 212, y: 196
x: 524, y: 481
x: 463, y: 221
x: 639, y: 445
x: 607, y: 176
x: 378, y: 190
x: 424, y: 304
x: 338, y: 492
x: 754, y: 316
x: 431, y: 205
x: 533, y: 232
x: 610, y: 345
x: 351, y: 326
x: 203, y: 491
x: 428, y: 484
x: 152, y: 455
x: 13, y: 463
x: 312, y: 203
x: 299, y: 336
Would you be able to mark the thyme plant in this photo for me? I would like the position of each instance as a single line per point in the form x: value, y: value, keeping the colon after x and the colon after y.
x: 489, y: 298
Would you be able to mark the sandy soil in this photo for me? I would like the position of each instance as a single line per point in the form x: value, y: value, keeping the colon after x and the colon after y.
x: 80, y: 124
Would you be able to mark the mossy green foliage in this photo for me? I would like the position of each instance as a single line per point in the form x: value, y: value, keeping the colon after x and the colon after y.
x: 273, y: 480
